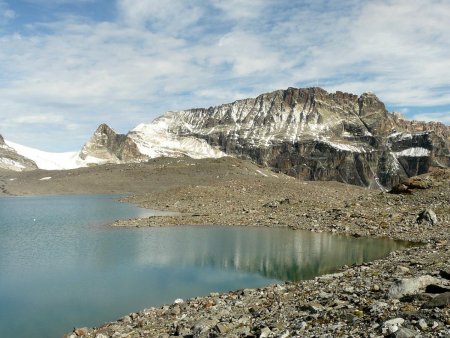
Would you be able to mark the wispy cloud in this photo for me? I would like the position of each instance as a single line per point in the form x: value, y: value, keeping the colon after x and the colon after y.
x: 443, y: 117
x: 6, y: 13
x: 154, y: 56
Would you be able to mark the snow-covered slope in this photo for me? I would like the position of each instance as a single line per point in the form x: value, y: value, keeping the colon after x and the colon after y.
x: 47, y: 160
x: 157, y: 140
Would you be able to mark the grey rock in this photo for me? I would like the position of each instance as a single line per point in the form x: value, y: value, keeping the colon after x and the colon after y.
x: 406, y: 333
x: 422, y: 324
x: 203, y: 326
x: 410, y: 286
x: 427, y: 216
x: 265, y: 332
x: 392, y: 325
x: 82, y: 331
x: 440, y: 301
x: 223, y: 328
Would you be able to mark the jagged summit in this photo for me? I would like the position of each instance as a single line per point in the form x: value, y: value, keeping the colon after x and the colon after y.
x: 304, y: 132
x: 106, y: 146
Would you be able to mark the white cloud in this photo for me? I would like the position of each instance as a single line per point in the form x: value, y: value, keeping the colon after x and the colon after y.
x: 169, y: 16
x: 240, y: 9
x: 6, y: 13
x: 443, y: 117
x: 160, y: 56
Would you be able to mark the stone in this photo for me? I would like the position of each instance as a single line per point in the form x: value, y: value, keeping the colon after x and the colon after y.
x: 284, y: 334
x: 440, y: 301
x: 427, y: 216
x: 83, y: 331
x: 203, y: 326
x: 400, y: 189
x: 126, y: 319
x: 265, y: 332
x: 101, y: 335
x: 422, y: 324
x: 403, y: 269
x: 223, y: 328
x: 175, y: 310
x: 392, y: 325
x: 410, y: 286
x: 404, y: 332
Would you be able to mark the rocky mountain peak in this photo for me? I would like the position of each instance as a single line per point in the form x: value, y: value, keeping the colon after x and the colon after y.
x: 304, y: 132
x: 374, y: 114
x: 107, y: 146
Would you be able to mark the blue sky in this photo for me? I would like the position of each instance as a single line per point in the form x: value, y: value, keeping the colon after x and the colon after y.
x: 68, y: 65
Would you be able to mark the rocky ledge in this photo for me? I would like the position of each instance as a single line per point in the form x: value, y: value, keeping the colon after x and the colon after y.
x: 406, y: 294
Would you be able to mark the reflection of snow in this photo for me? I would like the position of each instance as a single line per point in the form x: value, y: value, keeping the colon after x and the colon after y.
x: 276, y: 253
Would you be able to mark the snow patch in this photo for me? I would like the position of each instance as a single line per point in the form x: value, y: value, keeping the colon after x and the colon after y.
x: 11, y: 164
x: 413, y: 152
x: 345, y: 147
x: 49, y: 161
x: 45, y: 178
x: 260, y: 172
x: 157, y: 140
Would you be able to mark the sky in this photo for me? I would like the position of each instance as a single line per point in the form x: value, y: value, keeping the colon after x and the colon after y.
x: 67, y: 66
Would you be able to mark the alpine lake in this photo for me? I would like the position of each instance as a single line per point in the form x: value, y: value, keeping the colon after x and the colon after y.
x: 63, y: 266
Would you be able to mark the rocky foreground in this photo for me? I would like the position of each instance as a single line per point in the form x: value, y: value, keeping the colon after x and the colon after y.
x: 405, y: 295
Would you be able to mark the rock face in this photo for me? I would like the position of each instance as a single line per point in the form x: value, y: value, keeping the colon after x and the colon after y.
x: 11, y: 160
x: 307, y: 133
x: 106, y: 146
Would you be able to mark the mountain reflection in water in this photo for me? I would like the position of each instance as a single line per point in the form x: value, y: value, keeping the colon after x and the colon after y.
x: 61, y: 267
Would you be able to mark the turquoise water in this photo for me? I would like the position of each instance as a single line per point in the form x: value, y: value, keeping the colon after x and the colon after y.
x: 61, y: 266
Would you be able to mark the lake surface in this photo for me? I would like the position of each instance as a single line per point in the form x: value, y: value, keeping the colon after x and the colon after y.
x: 61, y: 266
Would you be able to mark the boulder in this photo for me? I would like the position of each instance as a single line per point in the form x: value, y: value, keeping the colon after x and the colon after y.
x: 427, y: 216
x: 409, y: 286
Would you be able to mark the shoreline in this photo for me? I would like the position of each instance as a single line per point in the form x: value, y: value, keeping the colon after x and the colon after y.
x: 364, y: 300
x: 388, y: 297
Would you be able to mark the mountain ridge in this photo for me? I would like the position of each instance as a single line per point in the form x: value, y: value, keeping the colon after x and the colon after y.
x: 303, y: 132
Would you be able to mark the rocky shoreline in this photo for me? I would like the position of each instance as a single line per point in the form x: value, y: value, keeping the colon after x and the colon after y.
x: 407, y: 294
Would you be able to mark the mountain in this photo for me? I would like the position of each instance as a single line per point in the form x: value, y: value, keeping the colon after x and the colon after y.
x: 306, y: 133
x: 11, y: 160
